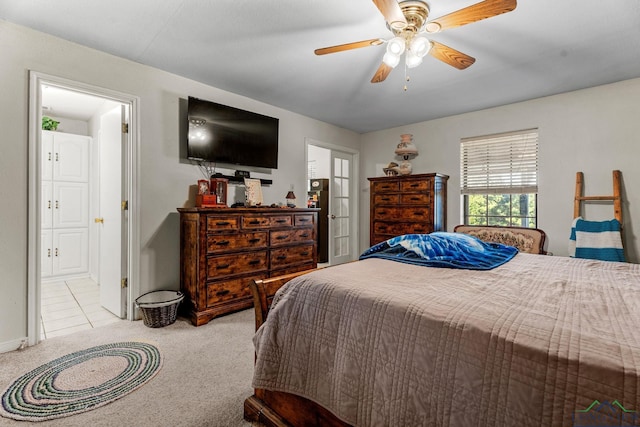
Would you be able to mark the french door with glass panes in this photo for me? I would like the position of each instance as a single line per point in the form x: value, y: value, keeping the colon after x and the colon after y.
x: 340, y: 217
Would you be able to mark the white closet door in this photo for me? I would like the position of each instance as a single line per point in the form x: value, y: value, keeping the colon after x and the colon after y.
x: 70, y: 251
x: 71, y: 158
x: 70, y: 204
x: 46, y: 216
x: 46, y: 257
x: 47, y: 155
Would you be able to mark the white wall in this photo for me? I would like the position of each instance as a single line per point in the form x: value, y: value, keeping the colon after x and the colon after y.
x: 592, y: 130
x: 164, y: 180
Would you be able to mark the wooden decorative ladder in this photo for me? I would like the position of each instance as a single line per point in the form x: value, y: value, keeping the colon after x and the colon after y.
x: 616, y: 198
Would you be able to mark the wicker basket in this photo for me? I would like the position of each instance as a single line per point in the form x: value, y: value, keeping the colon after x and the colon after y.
x: 159, y: 308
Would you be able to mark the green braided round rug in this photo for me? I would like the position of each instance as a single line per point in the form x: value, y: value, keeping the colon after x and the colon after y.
x: 80, y: 381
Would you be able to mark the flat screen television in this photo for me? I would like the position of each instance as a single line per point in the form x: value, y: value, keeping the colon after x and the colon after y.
x: 222, y: 134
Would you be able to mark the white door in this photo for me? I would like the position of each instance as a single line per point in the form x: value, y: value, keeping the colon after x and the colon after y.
x: 46, y: 255
x: 70, y: 251
x: 70, y: 204
x: 340, y: 212
x: 112, y: 295
x: 70, y: 157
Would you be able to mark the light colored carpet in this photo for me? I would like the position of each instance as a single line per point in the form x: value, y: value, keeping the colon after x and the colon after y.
x: 206, y: 373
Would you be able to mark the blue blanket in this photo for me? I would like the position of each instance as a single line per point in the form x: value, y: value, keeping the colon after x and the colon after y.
x: 440, y: 249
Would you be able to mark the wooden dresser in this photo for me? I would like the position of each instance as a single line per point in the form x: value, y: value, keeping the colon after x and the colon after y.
x: 223, y: 250
x: 407, y: 204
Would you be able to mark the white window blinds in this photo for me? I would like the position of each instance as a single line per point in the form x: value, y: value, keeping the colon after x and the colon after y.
x: 505, y: 163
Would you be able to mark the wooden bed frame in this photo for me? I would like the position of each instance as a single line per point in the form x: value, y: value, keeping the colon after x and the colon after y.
x: 277, y: 409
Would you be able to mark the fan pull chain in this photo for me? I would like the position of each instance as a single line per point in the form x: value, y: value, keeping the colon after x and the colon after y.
x: 406, y: 77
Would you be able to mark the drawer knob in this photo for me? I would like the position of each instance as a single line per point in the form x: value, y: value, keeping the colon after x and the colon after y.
x: 281, y: 257
x: 304, y: 253
x: 254, y: 240
x: 386, y: 199
x: 222, y: 266
x: 254, y: 262
x: 281, y: 237
x: 280, y: 221
x: 254, y: 222
x: 304, y: 235
x: 221, y: 223
x: 415, y: 198
x: 223, y: 292
x: 303, y: 219
x: 222, y: 243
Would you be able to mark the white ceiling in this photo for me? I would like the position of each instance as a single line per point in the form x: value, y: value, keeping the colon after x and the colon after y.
x: 263, y: 49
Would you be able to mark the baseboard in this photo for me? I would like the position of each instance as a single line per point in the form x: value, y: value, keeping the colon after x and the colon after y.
x: 8, y: 346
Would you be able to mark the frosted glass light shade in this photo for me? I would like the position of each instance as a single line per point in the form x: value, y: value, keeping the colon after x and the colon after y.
x: 412, y: 60
x: 396, y: 46
x: 391, y: 60
x: 420, y: 46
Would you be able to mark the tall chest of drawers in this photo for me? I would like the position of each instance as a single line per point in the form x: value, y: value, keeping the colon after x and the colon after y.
x: 407, y: 204
x: 223, y: 250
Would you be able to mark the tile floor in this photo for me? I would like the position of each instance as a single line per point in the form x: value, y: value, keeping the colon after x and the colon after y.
x: 68, y: 306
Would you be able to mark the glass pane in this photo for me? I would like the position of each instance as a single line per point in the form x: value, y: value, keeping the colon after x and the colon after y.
x: 477, y: 204
x: 345, y: 207
x: 337, y: 167
x: 337, y: 186
x: 344, y: 226
x: 337, y: 232
x: 345, y: 246
x: 336, y: 207
x: 345, y: 188
x: 498, y: 205
x: 345, y: 168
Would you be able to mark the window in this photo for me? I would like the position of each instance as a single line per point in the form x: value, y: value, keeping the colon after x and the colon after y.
x: 499, y: 179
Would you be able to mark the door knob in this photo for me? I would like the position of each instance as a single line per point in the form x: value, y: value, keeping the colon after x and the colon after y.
x: 332, y: 216
x: 99, y: 220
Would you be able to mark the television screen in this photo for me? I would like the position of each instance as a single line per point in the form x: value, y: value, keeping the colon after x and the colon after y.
x: 222, y: 134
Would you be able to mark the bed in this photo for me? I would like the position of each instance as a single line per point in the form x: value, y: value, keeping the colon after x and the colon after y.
x: 536, y: 341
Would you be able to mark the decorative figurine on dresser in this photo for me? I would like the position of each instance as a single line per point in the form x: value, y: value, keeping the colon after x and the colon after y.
x: 407, y: 204
x: 223, y: 249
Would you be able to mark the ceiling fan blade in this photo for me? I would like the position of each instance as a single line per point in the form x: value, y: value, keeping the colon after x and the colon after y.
x: 476, y: 12
x: 392, y: 13
x: 348, y: 46
x: 450, y: 56
x: 382, y: 73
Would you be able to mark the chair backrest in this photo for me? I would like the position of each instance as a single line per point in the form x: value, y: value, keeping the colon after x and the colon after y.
x: 529, y: 240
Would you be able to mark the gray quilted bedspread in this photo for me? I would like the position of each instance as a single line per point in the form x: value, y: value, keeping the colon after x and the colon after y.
x: 534, y: 342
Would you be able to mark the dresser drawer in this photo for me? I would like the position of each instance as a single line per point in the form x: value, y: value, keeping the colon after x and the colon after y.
x: 221, y: 291
x: 280, y: 221
x: 223, y: 243
x: 282, y: 237
x: 221, y: 223
x: 257, y: 221
x: 227, y: 265
x: 302, y: 220
x: 379, y: 187
x: 292, y: 269
x: 417, y: 199
x: 398, y: 228
x: 386, y: 199
x: 414, y: 186
x: 395, y: 213
x: 291, y: 255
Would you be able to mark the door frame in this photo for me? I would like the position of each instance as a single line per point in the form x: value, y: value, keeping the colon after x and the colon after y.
x: 36, y: 80
x: 354, y: 243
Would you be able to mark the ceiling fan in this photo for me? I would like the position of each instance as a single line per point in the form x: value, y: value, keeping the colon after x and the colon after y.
x: 408, y: 21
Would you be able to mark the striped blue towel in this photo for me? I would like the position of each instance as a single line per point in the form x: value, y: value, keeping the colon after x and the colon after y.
x: 596, y: 240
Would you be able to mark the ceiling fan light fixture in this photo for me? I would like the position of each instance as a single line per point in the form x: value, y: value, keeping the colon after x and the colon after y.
x: 420, y: 46
x: 412, y: 60
x: 396, y: 46
x: 391, y: 60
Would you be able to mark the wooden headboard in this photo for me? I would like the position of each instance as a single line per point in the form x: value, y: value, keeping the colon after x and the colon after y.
x: 530, y: 240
